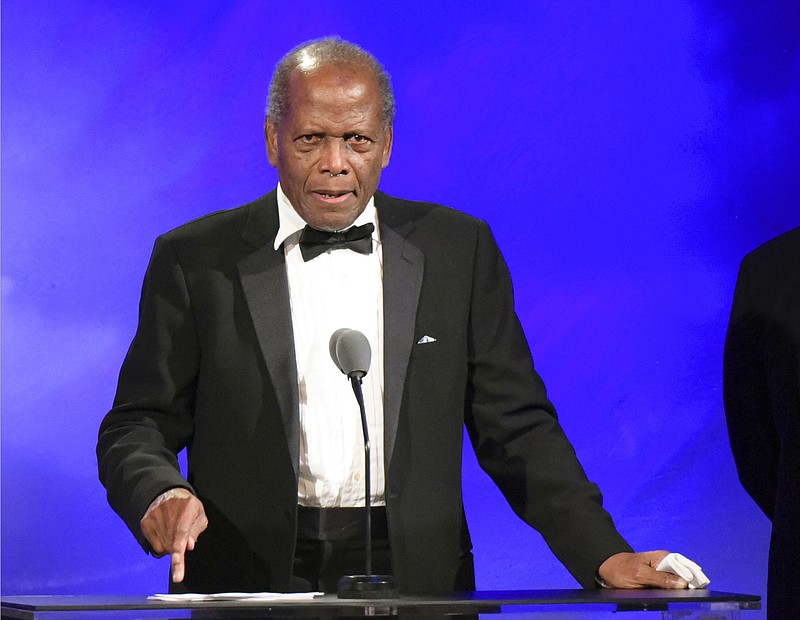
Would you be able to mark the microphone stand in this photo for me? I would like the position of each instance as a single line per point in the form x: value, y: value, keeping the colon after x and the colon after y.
x: 366, y: 586
x: 356, y: 382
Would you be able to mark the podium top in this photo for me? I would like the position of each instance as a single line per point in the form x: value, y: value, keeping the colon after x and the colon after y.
x: 479, y: 602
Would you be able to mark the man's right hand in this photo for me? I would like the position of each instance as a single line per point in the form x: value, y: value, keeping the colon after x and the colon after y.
x: 172, y: 524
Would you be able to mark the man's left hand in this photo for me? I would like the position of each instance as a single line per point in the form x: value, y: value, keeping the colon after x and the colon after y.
x: 638, y: 570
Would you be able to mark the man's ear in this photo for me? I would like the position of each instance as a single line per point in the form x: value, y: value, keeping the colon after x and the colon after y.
x: 387, y: 148
x: 271, y: 137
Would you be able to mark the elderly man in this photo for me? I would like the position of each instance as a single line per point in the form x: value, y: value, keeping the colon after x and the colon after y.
x: 230, y: 360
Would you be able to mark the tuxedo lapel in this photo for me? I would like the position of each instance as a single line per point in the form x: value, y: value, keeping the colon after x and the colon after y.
x: 402, y: 282
x: 266, y: 289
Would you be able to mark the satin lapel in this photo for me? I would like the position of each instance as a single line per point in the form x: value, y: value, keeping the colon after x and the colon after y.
x: 402, y: 282
x: 266, y: 288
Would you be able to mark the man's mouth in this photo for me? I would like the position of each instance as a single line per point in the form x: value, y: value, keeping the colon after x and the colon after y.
x: 333, y: 196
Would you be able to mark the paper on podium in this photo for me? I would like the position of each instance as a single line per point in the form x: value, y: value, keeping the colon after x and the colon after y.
x: 683, y: 567
x: 191, y: 597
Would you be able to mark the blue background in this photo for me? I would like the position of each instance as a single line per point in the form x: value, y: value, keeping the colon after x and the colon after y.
x: 627, y: 154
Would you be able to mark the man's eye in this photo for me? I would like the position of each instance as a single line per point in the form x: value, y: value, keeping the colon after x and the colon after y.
x: 309, y: 138
x: 357, y: 139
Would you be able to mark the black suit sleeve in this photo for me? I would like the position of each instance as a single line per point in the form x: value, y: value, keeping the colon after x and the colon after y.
x: 751, y: 424
x: 515, y: 432
x: 151, y: 420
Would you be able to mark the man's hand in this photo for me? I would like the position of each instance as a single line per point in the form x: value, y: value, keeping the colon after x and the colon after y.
x: 638, y: 570
x: 172, y: 524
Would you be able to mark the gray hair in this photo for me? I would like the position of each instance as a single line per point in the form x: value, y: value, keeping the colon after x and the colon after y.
x: 318, y: 52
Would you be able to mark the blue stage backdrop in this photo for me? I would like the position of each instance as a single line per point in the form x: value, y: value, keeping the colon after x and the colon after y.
x: 626, y: 154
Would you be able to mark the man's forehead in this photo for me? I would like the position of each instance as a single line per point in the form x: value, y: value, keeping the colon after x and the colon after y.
x: 331, y: 88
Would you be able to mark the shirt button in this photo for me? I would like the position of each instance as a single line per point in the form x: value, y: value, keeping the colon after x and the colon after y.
x: 357, y: 476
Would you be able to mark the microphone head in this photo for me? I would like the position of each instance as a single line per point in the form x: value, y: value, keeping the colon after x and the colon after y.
x: 350, y: 352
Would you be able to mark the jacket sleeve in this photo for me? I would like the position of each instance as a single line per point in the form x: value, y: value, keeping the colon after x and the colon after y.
x: 515, y: 432
x: 746, y: 394
x: 151, y: 418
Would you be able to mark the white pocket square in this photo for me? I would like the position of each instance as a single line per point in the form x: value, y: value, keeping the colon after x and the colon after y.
x: 426, y: 339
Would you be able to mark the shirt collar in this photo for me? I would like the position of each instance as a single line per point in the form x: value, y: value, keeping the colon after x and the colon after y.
x: 291, y: 224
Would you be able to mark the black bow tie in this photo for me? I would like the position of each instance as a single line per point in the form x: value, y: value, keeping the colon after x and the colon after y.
x: 314, y: 242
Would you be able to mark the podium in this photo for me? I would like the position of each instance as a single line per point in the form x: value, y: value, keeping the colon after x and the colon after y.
x: 671, y: 604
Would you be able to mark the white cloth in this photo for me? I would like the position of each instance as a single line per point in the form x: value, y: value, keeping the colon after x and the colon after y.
x: 683, y: 567
x: 339, y: 288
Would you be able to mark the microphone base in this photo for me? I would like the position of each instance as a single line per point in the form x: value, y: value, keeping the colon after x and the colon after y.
x: 366, y: 587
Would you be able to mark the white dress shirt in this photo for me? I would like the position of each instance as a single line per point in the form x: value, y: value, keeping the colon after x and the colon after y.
x: 340, y: 288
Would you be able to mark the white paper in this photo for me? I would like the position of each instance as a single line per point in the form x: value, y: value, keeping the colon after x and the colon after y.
x: 192, y: 597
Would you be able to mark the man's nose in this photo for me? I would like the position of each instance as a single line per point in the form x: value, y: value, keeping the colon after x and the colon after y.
x: 333, y: 159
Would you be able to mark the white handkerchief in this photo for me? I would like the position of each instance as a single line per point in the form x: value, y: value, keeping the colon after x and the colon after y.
x: 683, y: 567
x: 234, y: 596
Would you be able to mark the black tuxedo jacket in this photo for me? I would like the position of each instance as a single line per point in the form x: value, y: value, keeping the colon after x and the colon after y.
x: 762, y: 403
x: 212, y: 368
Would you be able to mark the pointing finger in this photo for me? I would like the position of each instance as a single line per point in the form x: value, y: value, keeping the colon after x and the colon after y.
x: 178, y: 567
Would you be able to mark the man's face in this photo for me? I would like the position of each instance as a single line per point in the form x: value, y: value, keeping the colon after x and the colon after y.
x: 330, y: 145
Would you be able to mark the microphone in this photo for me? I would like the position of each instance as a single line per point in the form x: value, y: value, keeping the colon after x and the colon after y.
x: 351, y: 353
